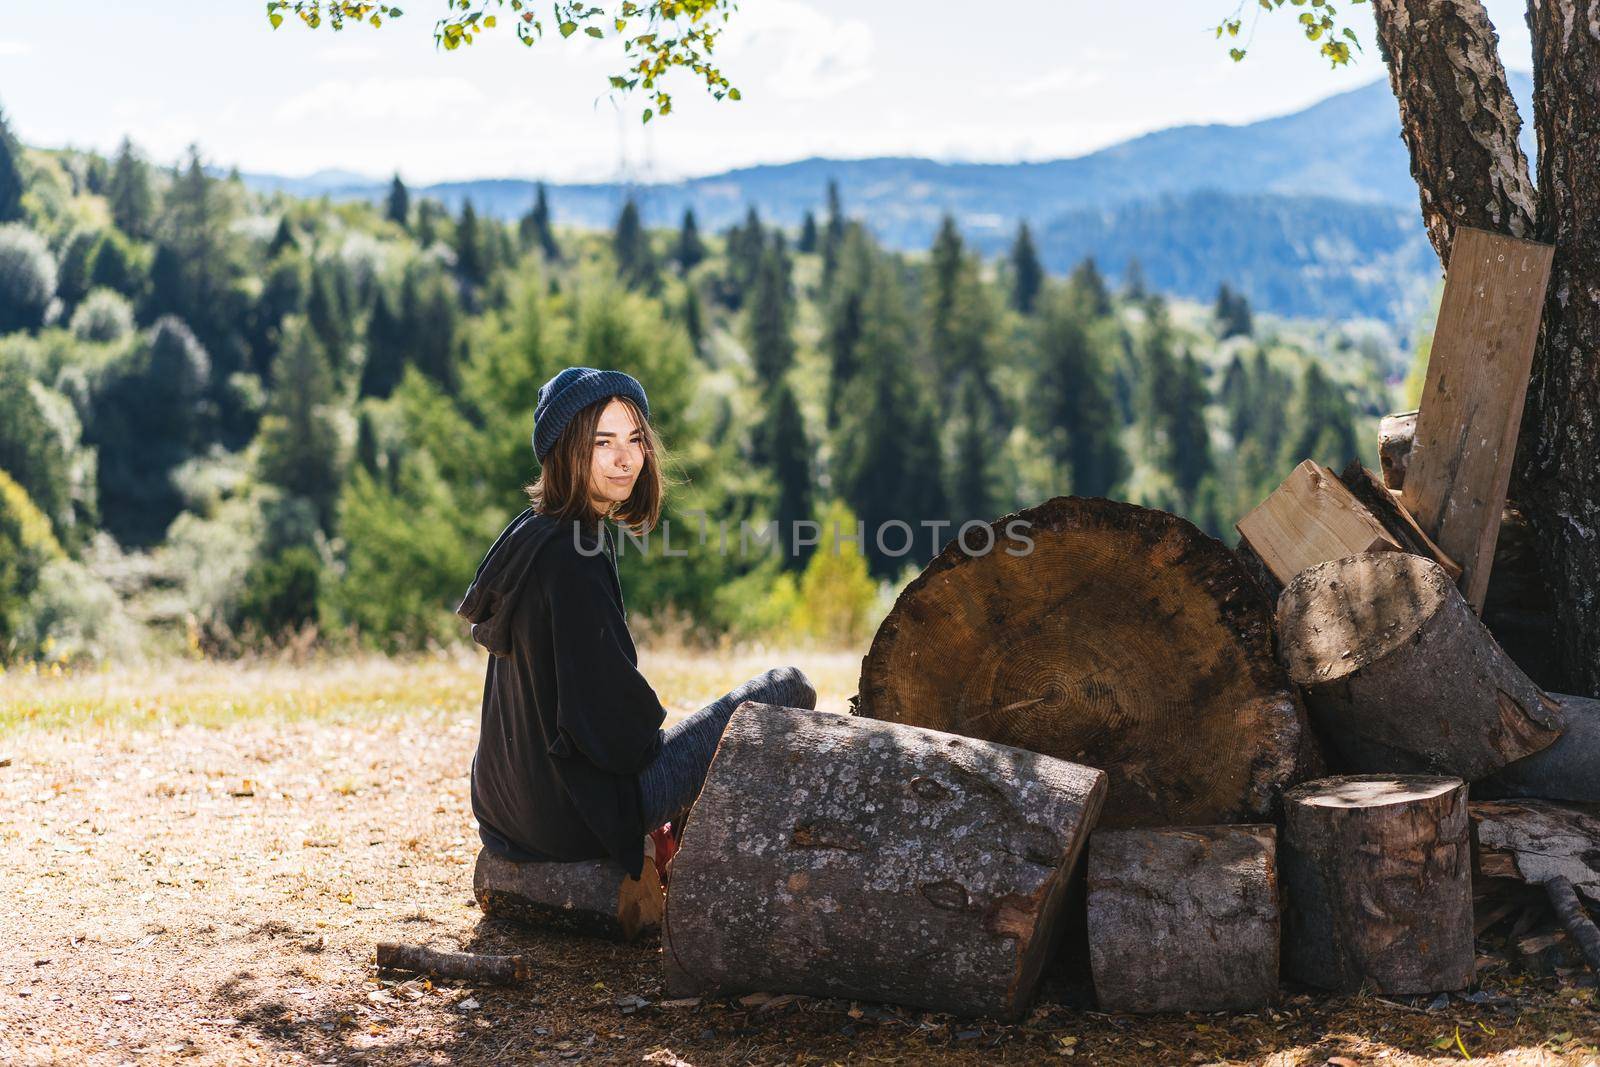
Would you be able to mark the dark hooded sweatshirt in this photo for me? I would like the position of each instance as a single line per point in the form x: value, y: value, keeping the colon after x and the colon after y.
x: 568, y: 720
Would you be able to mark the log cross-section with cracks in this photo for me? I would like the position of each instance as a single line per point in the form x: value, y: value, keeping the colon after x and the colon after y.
x: 1124, y: 638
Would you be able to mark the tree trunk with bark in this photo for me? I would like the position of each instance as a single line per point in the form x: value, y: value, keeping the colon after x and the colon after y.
x: 1460, y: 126
x: 1184, y: 919
x: 839, y: 856
x: 1377, y: 876
x: 1114, y: 632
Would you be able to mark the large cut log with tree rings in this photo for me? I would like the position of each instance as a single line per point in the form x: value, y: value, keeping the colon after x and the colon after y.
x: 1119, y: 637
x: 1386, y: 648
x: 591, y: 897
x: 838, y: 856
x: 1185, y: 918
x: 1377, y: 878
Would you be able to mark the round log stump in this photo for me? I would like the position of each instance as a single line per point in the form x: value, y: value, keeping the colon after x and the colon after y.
x: 842, y: 857
x: 1184, y: 919
x: 1386, y: 647
x: 1120, y: 631
x: 1377, y: 875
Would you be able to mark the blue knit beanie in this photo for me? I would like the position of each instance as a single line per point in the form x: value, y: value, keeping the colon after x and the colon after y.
x: 570, y: 392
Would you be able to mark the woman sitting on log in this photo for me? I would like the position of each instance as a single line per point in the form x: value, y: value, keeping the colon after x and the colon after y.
x: 572, y: 763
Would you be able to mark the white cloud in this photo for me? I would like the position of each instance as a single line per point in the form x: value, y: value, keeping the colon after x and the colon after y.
x: 809, y: 54
x: 381, y: 99
x: 1064, y: 80
x: 14, y: 48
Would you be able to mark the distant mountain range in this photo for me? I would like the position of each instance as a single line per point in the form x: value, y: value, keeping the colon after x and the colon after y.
x: 1313, y: 213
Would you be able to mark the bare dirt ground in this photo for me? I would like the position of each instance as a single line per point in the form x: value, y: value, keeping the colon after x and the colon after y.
x: 200, y: 857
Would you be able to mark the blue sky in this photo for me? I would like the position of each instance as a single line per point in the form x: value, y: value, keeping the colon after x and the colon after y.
x: 819, y: 77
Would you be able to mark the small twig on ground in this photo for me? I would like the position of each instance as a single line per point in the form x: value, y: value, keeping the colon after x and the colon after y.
x: 469, y: 966
x: 1576, y: 921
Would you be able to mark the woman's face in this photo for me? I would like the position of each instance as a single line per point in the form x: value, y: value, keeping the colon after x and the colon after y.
x: 617, y: 458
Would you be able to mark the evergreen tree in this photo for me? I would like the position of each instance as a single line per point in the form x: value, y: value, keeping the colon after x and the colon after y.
x: 843, y: 327
x: 328, y: 315
x: 429, y: 212
x: 1074, y: 408
x: 472, y: 255
x: 694, y: 319
x: 299, y: 439
x: 691, y: 250
x: 832, y: 236
x: 1027, y: 274
x: 769, y: 322
x: 148, y: 415
x: 789, y: 455
x: 630, y: 244
x: 976, y: 489
x: 1232, y: 314
x: 746, y: 245
x: 535, y: 229
x: 1189, y: 456
x: 808, y: 234
x: 112, y: 267
x: 397, y: 205
x: 1088, y: 287
x: 283, y: 238
x: 386, y: 348
x: 1134, y: 287
x: 1237, y: 400
x: 889, y: 466
x: 131, y: 200
x: 75, y: 271
x: 1322, y: 423
x: 12, y: 185
x: 429, y: 313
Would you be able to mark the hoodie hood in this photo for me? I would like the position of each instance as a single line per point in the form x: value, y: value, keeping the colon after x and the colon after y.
x: 492, y: 597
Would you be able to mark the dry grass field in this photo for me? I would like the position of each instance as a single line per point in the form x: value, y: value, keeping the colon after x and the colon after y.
x: 200, y: 857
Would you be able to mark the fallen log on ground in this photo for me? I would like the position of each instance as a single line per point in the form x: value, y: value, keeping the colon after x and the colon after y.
x: 1121, y: 631
x: 1395, y: 435
x: 467, y: 966
x: 1386, y: 648
x: 1537, y: 840
x: 1184, y: 919
x: 839, y: 856
x: 1377, y: 877
x: 1568, y: 770
x: 590, y: 897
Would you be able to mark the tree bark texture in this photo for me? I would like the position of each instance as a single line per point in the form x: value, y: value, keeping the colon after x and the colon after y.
x: 1386, y: 648
x: 840, y: 856
x: 1184, y: 919
x: 1457, y: 117
x: 592, y: 897
x: 1377, y: 874
x: 1124, y: 639
x: 1557, y: 478
x: 467, y: 966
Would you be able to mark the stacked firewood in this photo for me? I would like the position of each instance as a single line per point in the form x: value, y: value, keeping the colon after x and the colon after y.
x: 1202, y: 770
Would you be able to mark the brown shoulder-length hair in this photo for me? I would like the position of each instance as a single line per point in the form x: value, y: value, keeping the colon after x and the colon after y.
x: 562, y: 487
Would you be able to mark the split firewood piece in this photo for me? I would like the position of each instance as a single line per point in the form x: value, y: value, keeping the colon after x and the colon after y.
x: 1385, y: 647
x: 1567, y: 770
x: 1394, y: 518
x: 1112, y: 631
x: 1184, y: 918
x: 467, y: 966
x: 592, y: 896
x: 1537, y: 840
x: 1310, y: 518
x: 1395, y: 434
x: 839, y: 856
x: 1377, y: 875
x: 1466, y: 437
